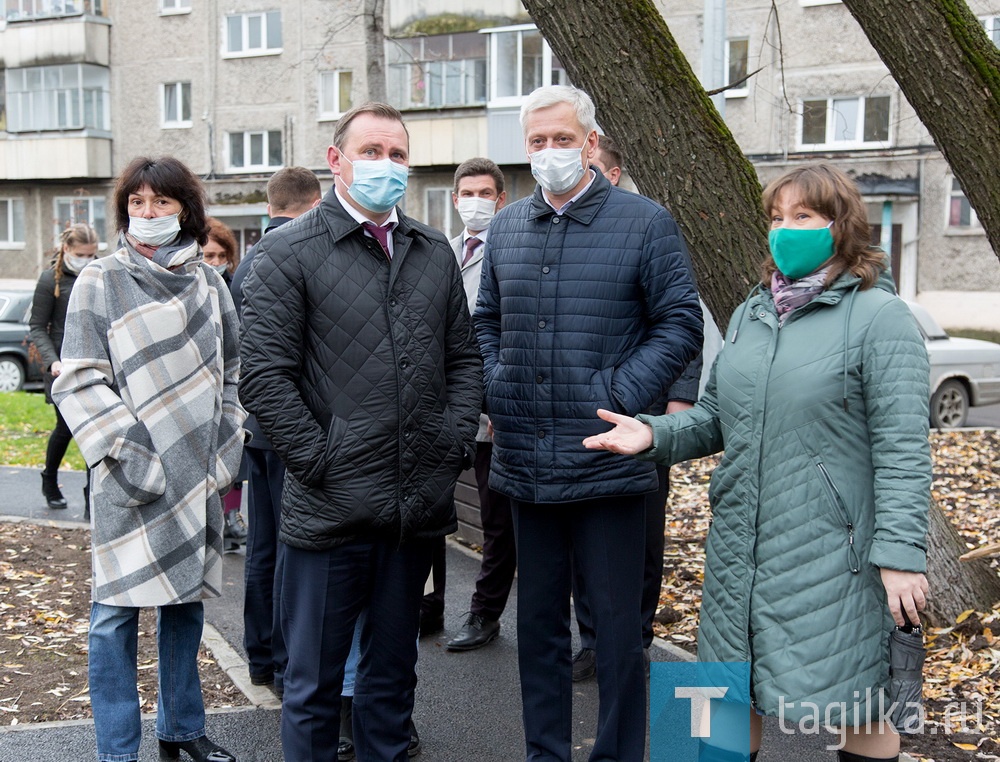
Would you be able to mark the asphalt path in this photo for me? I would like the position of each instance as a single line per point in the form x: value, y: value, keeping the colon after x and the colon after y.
x: 468, y: 705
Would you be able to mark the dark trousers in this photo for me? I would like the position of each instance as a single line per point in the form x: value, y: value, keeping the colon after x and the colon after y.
x: 496, y: 573
x: 432, y: 604
x: 59, y: 441
x: 608, y: 535
x: 262, y: 569
x: 324, y: 593
x: 652, y: 573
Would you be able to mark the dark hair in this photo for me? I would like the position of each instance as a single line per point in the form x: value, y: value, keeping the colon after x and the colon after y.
x: 827, y: 190
x: 220, y: 232
x: 168, y: 177
x: 610, y: 149
x: 293, y: 189
x: 75, y: 235
x: 381, y: 110
x: 479, y: 166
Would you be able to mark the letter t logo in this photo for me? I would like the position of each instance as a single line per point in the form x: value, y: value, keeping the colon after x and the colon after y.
x: 700, y: 701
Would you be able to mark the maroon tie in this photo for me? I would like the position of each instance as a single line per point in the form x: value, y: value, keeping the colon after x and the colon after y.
x: 470, y: 246
x: 380, y: 234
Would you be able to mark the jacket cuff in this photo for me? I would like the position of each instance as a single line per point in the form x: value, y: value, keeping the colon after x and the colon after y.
x: 654, y: 453
x: 900, y: 556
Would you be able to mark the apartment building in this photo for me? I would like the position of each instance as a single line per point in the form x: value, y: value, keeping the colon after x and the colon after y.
x: 240, y: 89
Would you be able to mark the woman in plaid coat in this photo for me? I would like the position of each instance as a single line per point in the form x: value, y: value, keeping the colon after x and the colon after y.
x: 148, y: 387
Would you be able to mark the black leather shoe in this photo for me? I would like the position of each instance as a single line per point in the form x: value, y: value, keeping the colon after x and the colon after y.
x: 200, y: 750
x: 584, y: 664
x: 414, y: 748
x: 50, y: 490
x: 345, y: 748
x: 475, y: 633
x: 431, y: 624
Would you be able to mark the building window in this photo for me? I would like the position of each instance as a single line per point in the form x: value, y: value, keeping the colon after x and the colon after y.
x: 520, y: 61
x: 254, y: 151
x: 961, y: 215
x: 737, y: 60
x: 992, y: 26
x: 172, y: 7
x: 11, y: 221
x: 841, y: 123
x: 441, y: 214
x: 334, y: 93
x: 253, y: 34
x: 176, y: 102
x: 67, y: 97
x: 437, y: 71
x: 87, y: 209
x: 27, y: 10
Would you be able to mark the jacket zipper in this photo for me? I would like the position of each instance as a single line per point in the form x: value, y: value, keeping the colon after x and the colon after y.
x: 853, y: 561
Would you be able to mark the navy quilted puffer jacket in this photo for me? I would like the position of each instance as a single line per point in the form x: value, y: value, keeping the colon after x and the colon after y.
x: 364, y: 375
x: 594, y: 308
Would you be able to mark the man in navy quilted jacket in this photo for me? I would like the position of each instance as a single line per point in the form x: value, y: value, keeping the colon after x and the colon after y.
x: 585, y: 302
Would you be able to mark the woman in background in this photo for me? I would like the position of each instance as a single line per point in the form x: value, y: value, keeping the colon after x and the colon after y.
x: 148, y: 387
x: 220, y: 252
x: 77, y: 248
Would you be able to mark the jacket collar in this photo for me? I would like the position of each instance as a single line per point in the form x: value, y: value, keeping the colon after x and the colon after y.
x: 341, y: 224
x: 583, y: 210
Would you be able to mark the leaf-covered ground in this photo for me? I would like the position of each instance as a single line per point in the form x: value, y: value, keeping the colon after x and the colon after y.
x: 963, y: 661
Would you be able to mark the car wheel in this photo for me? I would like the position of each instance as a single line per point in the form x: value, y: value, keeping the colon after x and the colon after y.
x: 949, y: 405
x: 11, y: 374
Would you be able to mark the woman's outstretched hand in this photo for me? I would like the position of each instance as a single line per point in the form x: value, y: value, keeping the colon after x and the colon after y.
x: 628, y: 437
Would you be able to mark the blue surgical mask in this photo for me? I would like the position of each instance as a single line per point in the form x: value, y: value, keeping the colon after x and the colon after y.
x: 557, y: 169
x: 378, y: 184
x: 155, y: 231
x: 220, y: 269
x: 798, y: 252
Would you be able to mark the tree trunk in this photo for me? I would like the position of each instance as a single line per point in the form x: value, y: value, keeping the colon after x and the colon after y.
x: 373, y: 17
x: 955, y: 585
x: 949, y: 71
x: 678, y: 150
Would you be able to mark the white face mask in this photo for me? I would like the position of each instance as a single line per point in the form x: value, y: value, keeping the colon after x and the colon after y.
x: 75, y: 264
x: 155, y: 231
x: 476, y: 212
x: 557, y: 169
x: 220, y: 269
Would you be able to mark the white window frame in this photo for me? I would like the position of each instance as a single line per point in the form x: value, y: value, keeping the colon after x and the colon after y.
x: 325, y: 110
x: 830, y: 129
x: 450, y: 214
x: 952, y: 194
x: 174, y: 7
x: 743, y: 90
x: 494, y: 101
x: 82, y: 91
x: 91, y: 203
x: 992, y: 26
x: 11, y: 209
x: 245, y: 51
x: 247, y: 137
x: 175, y: 91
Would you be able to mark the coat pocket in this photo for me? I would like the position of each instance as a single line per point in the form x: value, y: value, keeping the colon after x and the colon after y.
x: 837, y: 500
x: 133, y: 473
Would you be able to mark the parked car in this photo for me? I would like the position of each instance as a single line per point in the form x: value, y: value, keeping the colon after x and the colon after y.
x: 17, y: 368
x: 964, y: 372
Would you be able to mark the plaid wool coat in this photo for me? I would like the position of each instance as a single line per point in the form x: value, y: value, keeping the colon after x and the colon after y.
x: 148, y: 387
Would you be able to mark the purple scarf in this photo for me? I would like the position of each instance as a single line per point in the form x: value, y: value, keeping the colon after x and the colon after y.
x: 789, y: 295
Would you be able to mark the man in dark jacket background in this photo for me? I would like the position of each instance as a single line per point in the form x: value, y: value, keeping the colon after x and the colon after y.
x: 291, y: 192
x: 585, y: 302
x: 361, y: 366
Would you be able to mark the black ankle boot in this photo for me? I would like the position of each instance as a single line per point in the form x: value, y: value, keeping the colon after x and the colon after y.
x: 200, y: 750
x: 50, y: 489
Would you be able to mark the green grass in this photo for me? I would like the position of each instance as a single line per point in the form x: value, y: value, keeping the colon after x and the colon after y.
x: 976, y: 333
x: 26, y: 421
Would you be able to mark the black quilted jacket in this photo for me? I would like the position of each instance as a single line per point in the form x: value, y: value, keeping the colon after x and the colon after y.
x: 365, y: 376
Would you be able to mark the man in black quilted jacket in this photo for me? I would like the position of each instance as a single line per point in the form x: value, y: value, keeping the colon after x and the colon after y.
x: 360, y: 363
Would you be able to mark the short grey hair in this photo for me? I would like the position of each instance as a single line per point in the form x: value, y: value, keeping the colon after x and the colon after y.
x: 544, y: 97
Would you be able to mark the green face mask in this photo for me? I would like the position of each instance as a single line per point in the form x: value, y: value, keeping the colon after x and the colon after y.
x: 800, y: 252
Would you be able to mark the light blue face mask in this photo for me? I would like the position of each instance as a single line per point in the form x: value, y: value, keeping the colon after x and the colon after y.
x: 378, y: 184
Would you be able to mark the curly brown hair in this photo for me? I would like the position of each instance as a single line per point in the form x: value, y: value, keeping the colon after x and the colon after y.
x: 827, y: 190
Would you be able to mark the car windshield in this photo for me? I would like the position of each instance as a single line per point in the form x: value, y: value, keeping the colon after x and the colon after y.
x: 928, y: 325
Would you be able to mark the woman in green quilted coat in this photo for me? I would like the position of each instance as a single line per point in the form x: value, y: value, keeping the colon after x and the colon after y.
x: 819, y: 403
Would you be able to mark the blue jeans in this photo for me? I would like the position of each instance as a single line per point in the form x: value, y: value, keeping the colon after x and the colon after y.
x: 113, y: 643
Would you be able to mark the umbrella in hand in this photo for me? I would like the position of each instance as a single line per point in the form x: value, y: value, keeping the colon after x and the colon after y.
x: 906, y: 664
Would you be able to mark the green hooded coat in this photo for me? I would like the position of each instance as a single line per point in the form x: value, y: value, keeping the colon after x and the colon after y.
x: 824, y: 478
